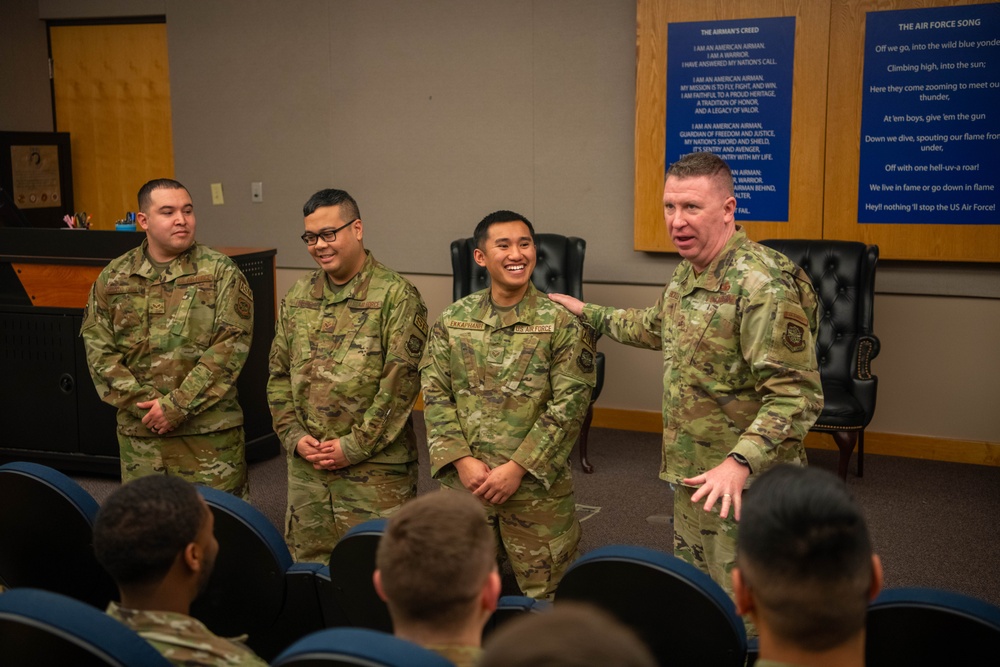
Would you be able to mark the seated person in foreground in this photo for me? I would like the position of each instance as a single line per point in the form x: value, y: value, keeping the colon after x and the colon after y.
x: 805, y: 571
x: 155, y: 538
x: 437, y: 572
x: 571, y: 634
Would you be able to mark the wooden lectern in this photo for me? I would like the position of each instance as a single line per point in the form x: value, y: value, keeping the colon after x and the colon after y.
x: 49, y: 408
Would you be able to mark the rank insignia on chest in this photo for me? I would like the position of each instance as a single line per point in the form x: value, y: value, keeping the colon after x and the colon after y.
x: 157, y: 307
x: 794, y: 337
x: 414, y: 345
x: 586, y: 361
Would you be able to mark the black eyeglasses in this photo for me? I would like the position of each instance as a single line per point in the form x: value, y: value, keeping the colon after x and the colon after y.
x: 328, y: 235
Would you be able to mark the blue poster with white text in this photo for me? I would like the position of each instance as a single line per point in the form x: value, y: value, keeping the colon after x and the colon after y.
x: 930, y: 117
x: 729, y: 92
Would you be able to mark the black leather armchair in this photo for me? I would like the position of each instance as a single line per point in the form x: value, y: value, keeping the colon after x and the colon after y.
x: 843, y: 275
x: 559, y: 268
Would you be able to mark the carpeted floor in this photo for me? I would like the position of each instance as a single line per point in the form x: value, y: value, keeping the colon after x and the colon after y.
x: 934, y: 524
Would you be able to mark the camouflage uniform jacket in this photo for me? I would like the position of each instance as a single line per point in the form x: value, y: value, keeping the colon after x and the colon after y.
x: 183, y: 640
x: 344, y: 365
x: 458, y: 654
x: 739, y: 359
x: 510, y: 386
x: 181, y: 336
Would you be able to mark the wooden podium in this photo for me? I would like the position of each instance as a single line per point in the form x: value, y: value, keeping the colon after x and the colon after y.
x: 49, y: 408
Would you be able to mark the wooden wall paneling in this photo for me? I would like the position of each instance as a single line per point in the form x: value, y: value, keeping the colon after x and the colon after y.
x: 112, y: 94
x: 843, y: 150
x: 812, y: 36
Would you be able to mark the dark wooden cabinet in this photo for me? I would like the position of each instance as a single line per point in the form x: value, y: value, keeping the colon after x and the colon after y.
x: 49, y: 408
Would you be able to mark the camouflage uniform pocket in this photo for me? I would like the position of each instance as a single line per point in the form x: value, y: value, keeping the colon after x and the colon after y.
x: 124, y: 302
x: 193, y: 304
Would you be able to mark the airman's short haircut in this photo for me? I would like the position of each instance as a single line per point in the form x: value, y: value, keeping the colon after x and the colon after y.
x: 804, y: 552
x: 693, y: 165
x: 144, y: 525
x: 435, y: 557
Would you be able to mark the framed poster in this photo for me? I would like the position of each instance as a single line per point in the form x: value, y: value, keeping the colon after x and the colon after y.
x: 36, y: 179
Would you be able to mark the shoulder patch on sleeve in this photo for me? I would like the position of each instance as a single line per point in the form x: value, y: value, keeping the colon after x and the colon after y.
x: 420, y: 323
x: 244, y: 308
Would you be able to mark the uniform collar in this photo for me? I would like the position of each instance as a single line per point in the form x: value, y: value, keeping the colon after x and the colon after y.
x: 181, y: 265
x: 522, y: 313
x: 355, y: 288
x: 711, y: 278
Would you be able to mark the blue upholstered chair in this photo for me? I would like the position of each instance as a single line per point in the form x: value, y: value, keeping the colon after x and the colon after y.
x: 512, y: 606
x: 357, y: 647
x: 40, y: 629
x: 558, y: 268
x: 352, y: 564
x: 923, y: 626
x: 255, y: 588
x: 46, y: 535
x: 683, y: 616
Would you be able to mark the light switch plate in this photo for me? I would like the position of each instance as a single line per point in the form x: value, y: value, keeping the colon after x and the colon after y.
x: 217, y: 198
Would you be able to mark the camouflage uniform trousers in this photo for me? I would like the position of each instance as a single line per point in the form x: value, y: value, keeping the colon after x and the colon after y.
x: 540, y: 535
x: 706, y: 540
x: 217, y: 460
x: 324, y: 504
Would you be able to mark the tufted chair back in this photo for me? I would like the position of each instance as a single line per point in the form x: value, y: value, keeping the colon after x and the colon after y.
x: 558, y: 268
x: 843, y: 275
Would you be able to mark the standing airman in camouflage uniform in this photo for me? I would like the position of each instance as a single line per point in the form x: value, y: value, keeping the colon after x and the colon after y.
x: 740, y: 382
x: 507, y: 379
x: 155, y: 537
x: 167, y: 330
x: 343, y: 380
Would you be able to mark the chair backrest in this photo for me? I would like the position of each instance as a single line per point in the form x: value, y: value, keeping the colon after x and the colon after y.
x: 843, y: 276
x: 559, y: 266
x: 40, y: 628
x: 352, y: 564
x: 683, y: 616
x: 922, y: 626
x: 510, y: 607
x: 357, y: 647
x: 246, y: 591
x: 46, y: 535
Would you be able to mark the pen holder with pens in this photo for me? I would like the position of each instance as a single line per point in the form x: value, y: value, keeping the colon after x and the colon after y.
x: 126, y: 225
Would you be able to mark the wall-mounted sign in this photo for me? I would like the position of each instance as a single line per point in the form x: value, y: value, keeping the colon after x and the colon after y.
x: 729, y: 92
x: 930, y: 116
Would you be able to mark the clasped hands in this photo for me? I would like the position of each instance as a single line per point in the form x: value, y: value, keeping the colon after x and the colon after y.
x: 155, y: 420
x: 325, y: 455
x: 494, y: 485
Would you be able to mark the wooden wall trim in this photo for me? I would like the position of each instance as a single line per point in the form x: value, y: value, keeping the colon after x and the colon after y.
x: 887, y: 444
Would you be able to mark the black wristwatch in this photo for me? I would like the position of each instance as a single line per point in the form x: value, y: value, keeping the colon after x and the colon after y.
x: 739, y: 458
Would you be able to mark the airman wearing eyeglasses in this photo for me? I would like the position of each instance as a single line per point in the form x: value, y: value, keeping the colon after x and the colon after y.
x: 343, y: 380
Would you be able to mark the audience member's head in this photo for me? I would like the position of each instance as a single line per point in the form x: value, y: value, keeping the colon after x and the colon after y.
x: 155, y: 534
x: 805, y: 571
x: 436, y: 569
x: 571, y: 634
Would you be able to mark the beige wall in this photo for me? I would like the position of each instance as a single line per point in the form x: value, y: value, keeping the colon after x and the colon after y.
x: 937, y: 369
x: 433, y: 113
